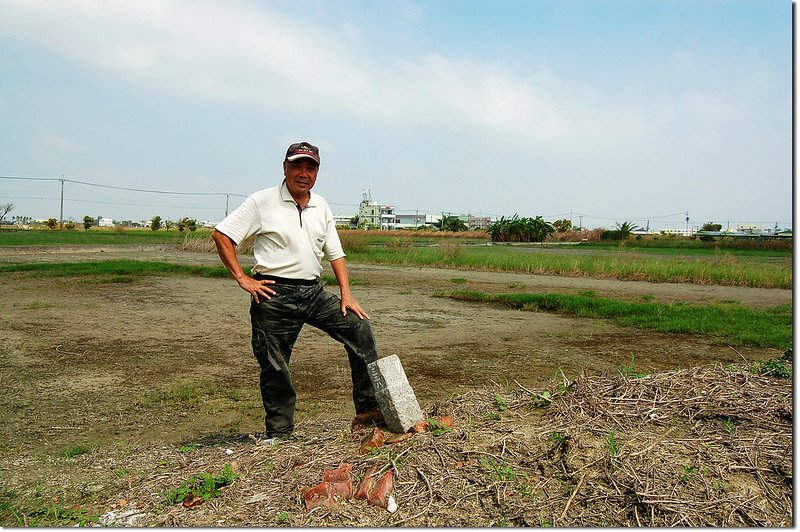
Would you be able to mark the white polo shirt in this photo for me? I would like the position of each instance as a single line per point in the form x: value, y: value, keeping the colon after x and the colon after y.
x: 289, y: 242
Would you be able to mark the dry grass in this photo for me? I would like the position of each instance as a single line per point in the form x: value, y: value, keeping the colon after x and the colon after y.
x: 705, y: 446
x: 202, y: 242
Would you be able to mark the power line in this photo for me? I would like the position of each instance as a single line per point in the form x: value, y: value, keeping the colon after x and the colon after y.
x: 146, y: 190
x: 129, y: 189
x: 194, y: 207
x: 227, y: 194
x: 31, y: 178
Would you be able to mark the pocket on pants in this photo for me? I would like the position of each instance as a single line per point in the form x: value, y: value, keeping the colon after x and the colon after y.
x: 261, y: 350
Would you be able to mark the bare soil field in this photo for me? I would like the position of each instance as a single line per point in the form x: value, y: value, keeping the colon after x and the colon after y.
x: 124, y: 369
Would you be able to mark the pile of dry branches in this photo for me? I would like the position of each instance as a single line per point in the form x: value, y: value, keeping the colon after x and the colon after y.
x: 706, y: 446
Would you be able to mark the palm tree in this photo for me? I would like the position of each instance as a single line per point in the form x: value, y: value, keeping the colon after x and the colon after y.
x: 625, y: 229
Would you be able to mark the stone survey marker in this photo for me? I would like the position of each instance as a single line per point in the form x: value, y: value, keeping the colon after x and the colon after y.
x: 394, y: 394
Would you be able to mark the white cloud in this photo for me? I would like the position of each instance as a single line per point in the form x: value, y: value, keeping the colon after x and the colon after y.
x: 51, y: 142
x: 242, y: 52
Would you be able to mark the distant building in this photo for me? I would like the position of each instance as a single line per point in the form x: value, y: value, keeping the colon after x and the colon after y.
x: 677, y: 232
x: 748, y: 228
x: 342, y: 219
x: 478, y: 223
x: 369, y: 212
x: 372, y: 215
x: 105, y: 222
x: 410, y: 221
x: 388, y: 219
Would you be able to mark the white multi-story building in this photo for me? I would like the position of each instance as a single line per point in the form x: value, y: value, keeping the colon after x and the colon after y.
x: 373, y: 215
x: 105, y: 222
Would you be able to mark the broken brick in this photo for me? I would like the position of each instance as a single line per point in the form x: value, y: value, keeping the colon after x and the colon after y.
x: 367, y: 482
x: 339, y: 479
x: 422, y: 426
x: 339, y: 474
x: 319, y: 495
x: 396, y: 438
x: 447, y: 421
x: 366, y: 420
x: 193, y: 500
x: 373, y: 441
x: 342, y: 489
x: 425, y: 426
x: 382, y: 490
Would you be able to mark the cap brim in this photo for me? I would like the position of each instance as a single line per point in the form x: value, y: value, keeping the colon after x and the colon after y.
x: 301, y: 155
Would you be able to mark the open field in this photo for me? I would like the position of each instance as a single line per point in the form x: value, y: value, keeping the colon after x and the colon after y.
x: 755, y: 263
x: 109, y: 377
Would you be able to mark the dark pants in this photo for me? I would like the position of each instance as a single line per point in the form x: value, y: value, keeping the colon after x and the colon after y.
x: 277, y: 322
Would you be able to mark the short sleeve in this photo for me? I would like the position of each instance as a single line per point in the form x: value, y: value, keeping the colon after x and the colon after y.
x: 242, y: 222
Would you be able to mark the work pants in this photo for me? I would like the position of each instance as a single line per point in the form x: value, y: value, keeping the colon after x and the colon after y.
x: 276, y: 323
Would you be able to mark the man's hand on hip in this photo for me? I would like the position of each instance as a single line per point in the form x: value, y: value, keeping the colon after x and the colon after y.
x: 256, y: 287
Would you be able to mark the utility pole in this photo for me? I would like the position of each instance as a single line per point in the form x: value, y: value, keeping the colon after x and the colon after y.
x: 580, y: 221
x: 61, y: 215
x: 687, y: 223
x: 226, y: 204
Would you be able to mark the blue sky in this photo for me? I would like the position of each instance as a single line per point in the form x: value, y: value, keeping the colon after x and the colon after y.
x: 604, y: 111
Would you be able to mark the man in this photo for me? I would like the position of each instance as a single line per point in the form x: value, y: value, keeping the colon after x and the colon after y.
x: 294, y: 231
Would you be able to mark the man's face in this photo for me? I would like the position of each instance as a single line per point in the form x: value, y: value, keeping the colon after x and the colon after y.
x: 301, y: 175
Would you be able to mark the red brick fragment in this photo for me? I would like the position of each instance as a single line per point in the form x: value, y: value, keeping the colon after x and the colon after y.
x: 366, y: 420
x: 422, y: 426
x: 340, y: 481
x: 447, y: 421
x: 319, y: 495
x: 339, y: 474
x: 367, y: 482
x: 396, y: 438
x: 382, y: 490
x: 193, y: 500
x: 373, y: 441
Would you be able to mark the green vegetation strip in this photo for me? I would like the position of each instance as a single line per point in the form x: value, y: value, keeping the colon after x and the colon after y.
x: 733, y: 324
x: 115, y: 268
x: 719, y: 269
x: 92, y: 237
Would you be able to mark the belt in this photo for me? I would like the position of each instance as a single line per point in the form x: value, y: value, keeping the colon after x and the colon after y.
x: 285, y: 280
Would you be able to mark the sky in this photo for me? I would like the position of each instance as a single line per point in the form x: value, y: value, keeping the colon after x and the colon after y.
x: 597, y: 111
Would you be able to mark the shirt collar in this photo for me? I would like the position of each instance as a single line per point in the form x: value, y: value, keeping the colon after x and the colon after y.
x: 287, y: 196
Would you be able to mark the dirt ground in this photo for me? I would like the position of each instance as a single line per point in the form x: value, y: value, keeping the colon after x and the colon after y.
x: 167, y: 359
x: 118, y: 389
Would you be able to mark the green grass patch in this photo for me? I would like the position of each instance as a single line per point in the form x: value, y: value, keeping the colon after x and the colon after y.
x: 765, y: 269
x: 38, y: 305
x: 115, y: 271
x: 188, y: 393
x: 732, y: 324
x: 330, y: 280
x: 74, y: 450
x: 203, y: 486
x: 40, y: 511
x: 93, y: 237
